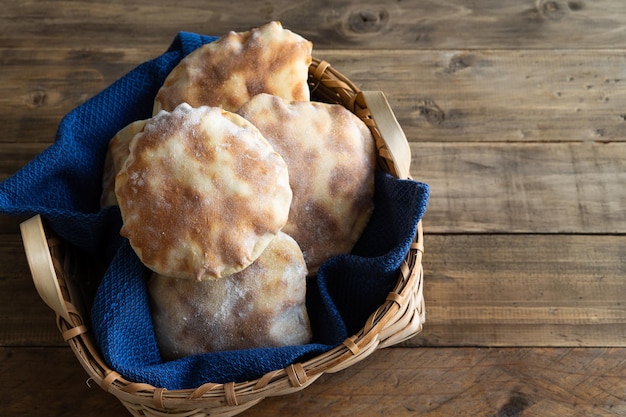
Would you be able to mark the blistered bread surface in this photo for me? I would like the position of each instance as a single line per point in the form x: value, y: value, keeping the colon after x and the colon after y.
x: 193, y: 193
x: 261, y: 306
x: 239, y: 65
x: 331, y: 157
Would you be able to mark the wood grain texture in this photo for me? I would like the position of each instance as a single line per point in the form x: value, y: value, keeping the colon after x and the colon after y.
x: 531, y: 382
x: 441, y: 96
x: 523, y: 187
x: 337, y: 24
x: 524, y: 290
x: 24, y: 318
x: 468, y: 382
x: 41, y: 85
x: 497, y: 96
x: 49, y: 381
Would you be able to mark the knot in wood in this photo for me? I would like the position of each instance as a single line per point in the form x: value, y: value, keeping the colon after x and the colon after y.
x: 37, y: 98
x: 368, y: 21
x: 432, y: 112
x: 459, y: 62
x: 514, y: 407
x: 551, y: 9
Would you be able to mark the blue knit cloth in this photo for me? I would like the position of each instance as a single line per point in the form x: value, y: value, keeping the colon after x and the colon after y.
x: 63, y: 184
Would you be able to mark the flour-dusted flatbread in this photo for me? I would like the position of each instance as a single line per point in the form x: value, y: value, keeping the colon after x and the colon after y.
x: 228, y: 72
x: 115, y: 158
x: 261, y: 306
x: 202, y: 193
x: 331, y: 158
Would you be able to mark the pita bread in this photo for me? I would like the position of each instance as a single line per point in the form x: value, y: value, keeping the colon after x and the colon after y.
x: 201, y: 193
x: 228, y: 72
x: 261, y: 306
x: 331, y: 157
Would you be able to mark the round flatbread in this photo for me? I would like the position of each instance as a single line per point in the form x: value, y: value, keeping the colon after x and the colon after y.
x: 201, y: 193
x: 228, y: 72
x: 331, y: 157
x: 261, y: 306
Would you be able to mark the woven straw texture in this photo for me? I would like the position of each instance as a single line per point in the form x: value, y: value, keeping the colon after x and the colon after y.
x: 400, y: 317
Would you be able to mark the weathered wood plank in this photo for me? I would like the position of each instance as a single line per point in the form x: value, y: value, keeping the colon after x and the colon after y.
x: 496, y: 95
x: 523, y: 187
x: 472, y: 382
x: 51, y: 382
x: 41, y: 85
x: 370, y: 24
x: 448, y: 96
x: 467, y: 382
x: 400, y: 382
x: 25, y: 320
x: 524, y: 290
x: 483, y: 290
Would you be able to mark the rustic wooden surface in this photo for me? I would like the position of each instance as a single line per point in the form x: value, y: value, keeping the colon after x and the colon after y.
x: 516, y: 114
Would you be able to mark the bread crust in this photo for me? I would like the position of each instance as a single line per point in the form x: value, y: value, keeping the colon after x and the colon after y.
x: 236, y: 67
x: 261, y: 306
x: 193, y: 193
x: 331, y: 158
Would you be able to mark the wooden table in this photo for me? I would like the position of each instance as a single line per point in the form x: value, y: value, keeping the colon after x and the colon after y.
x: 516, y: 116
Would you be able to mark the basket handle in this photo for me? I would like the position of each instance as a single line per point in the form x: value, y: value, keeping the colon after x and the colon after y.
x: 390, y: 131
x: 41, y: 266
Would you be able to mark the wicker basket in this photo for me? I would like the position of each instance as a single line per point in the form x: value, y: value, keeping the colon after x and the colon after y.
x: 55, y: 266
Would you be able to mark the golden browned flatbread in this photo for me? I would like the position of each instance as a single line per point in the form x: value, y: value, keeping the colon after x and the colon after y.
x: 261, y: 306
x: 201, y: 193
x: 331, y: 158
x: 228, y: 72
x: 115, y: 158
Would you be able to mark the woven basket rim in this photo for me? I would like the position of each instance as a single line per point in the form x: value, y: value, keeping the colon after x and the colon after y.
x: 400, y: 317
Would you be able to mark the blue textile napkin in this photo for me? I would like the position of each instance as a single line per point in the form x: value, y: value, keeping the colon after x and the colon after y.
x: 63, y: 184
